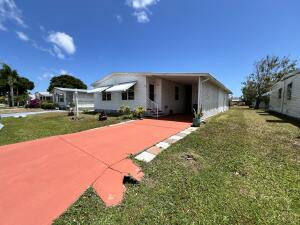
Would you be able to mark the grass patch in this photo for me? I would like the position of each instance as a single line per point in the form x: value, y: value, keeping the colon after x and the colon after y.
x: 48, y: 124
x: 237, y: 169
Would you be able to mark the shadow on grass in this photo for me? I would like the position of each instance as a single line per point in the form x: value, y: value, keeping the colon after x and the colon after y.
x: 280, y: 118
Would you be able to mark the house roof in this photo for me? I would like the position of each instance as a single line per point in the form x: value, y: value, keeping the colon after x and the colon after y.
x: 294, y: 73
x: 184, y: 76
x: 71, y: 89
x: 44, y: 93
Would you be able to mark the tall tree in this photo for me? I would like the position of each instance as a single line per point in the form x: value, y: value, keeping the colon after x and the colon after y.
x: 267, y: 72
x: 12, y: 83
x: 10, y: 76
x: 66, y: 81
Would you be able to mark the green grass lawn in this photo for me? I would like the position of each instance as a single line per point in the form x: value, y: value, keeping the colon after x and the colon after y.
x: 48, y: 124
x: 237, y: 169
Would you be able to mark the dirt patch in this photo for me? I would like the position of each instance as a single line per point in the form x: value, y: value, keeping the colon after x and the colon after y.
x: 297, y: 142
x: 191, y: 160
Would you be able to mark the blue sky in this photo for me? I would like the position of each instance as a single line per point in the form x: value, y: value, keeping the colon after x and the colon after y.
x: 90, y: 39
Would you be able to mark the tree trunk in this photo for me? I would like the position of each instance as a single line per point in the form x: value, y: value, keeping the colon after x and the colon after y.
x: 18, y: 102
x: 257, y: 103
x: 12, y: 96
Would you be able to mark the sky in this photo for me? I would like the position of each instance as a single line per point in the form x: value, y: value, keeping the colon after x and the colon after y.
x: 92, y: 38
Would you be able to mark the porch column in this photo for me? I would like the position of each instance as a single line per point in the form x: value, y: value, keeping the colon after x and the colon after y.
x: 199, y: 93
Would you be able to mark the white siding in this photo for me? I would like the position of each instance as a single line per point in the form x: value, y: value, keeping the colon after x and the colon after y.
x: 214, y: 99
x: 168, y: 101
x: 116, y: 97
x: 288, y: 107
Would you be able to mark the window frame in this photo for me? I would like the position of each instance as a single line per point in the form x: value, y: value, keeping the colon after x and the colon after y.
x: 176, y: 93
x: 289, y: 91
x: 280, y: 93
x: 106, y: 96
x: 128, y: 95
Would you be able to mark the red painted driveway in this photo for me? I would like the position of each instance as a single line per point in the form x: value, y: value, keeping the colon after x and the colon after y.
x: 40, y: 179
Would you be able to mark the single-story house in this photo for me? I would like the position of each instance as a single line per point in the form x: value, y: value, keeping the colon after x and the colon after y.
x: 66, y: 97
x: 161, y: 93
x: 237, y: 101
x: 285, y: 95
x: 44, y: 96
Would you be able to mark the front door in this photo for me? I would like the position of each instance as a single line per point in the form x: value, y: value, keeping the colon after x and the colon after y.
x: 151, y: 92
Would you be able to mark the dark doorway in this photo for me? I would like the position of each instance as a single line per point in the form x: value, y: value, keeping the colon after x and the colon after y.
x: 188, y: 99
x: 151, y: 92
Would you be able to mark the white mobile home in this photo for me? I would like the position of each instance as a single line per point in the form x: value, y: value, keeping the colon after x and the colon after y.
x: 161, y: 93
x: 285, y: 95
x: 65, y: 97
x: 44, y: 96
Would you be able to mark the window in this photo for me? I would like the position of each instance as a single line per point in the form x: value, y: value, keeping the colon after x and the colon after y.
x: 106, y: 96
x: 176, y: 93
x: 61, y: 98
x: 129, y: 94
x: 289, y: 91
x: 279, y: 93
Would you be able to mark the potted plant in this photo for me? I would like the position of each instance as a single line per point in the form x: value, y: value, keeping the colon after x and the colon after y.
x: 197, y: 117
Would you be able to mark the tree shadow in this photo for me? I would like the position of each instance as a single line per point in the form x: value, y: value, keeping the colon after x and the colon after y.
x: 280, y: 118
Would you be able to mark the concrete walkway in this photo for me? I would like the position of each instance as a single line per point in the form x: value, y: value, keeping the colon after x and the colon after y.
x: 40, y: 179
x: 24, y: 114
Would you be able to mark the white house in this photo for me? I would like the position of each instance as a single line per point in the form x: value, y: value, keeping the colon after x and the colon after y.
x: 65, y: 97
x: 285, y: 95
x: 44, y: 96
x: 161, y: 93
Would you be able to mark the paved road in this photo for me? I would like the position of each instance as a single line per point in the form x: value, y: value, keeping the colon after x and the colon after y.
x: 40, y: 179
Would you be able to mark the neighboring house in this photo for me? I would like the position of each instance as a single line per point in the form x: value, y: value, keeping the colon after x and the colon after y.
x: 66, y: 97
x: 285, y: 95
x: 161, y: 93
x: 236, y: 101
x: 44, y: 96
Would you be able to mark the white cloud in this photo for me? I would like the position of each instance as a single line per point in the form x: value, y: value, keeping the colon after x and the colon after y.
x: 62, y: 43
x: 10, y: 11
x: 45, y: 76
x: 142, y: 17
x: 141, y: 4
x: 22, y: 36
x: 141, y: 11
x: 63, y: 72
x: 119, y: 18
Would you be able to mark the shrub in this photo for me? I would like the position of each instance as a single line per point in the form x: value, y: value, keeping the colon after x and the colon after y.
x: 139, y: 112
x: 34, y: 103
x: 125, y: 110
x: 48, y: 105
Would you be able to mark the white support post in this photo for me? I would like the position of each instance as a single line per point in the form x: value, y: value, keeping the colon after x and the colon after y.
x: 199, y: 93
x: 76, y: 100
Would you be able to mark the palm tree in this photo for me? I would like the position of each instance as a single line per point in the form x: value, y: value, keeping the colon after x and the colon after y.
x: 11, y: 76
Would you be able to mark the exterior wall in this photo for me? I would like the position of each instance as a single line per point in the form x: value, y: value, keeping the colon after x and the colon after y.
x: 116, y: 97
x: 283, y: 105
x: 214, y: 100
x: 85, y: 100
x: 168, y: 102
x: 61, y: 105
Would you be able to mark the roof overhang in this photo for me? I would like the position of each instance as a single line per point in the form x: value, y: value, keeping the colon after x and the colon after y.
x: 183, y: 78
x: 98, y: 90
x: 121, y: 87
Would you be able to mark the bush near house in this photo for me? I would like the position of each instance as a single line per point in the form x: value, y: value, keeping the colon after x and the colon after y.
x: 49, y: 105
x: 34, y: 103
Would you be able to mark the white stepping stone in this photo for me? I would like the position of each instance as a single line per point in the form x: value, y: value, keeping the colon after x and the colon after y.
x: 145, y: 156
x: 175, y: 137
x: 186, y: 132
x: 1, y: 126
x: 192, y: 128
x: 163, y: 145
